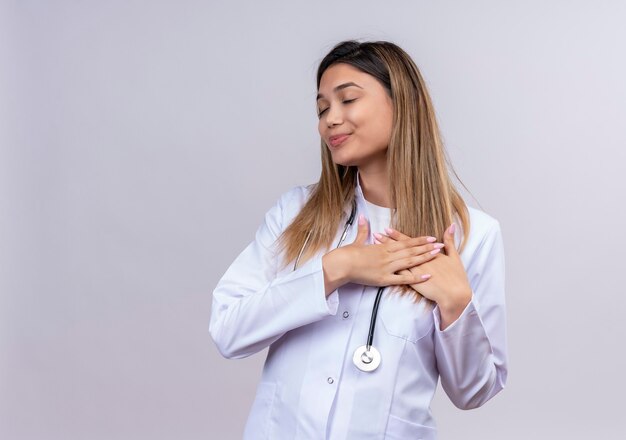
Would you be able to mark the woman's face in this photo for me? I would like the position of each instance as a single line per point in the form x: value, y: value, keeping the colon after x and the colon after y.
x: 353, y: 103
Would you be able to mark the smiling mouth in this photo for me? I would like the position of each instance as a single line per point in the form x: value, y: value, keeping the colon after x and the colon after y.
x: 339, y: 140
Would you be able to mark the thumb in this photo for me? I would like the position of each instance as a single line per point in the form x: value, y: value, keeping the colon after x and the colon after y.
x: 448, y: 241
x: 363, y: 231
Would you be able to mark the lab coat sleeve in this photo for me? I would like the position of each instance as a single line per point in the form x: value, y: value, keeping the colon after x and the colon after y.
x: 252, y: 306
x: 471, y: 352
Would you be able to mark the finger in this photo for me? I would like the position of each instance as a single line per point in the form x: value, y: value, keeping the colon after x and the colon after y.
x: 410, y: 242
x: 397, y: 235
x: 417, y: 278
x: 406, y: 277
x: 413, y: 285
x: 363, y: 231
x: 448, y: 241
x: 413, y: 261
x: 424, y: 249
x: 407, y: 272
x: 380, y: 238
x: 428, y: 251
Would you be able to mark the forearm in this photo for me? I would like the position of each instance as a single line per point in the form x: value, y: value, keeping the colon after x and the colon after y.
x: 472, y: 366
x: 250, y: 312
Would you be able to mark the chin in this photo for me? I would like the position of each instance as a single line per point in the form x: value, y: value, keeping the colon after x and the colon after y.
x: 343, y: 157
x: 346, y: 162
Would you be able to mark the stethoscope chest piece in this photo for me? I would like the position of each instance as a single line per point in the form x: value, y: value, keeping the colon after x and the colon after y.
x: 366, y: 359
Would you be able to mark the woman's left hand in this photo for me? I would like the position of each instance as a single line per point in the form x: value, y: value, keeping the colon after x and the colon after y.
x: 448, y: 285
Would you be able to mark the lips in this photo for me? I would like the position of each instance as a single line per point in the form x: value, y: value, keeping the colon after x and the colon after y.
x: 338, y: 139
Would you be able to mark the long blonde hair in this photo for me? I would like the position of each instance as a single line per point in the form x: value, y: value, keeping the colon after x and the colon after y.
x: 421, y: 189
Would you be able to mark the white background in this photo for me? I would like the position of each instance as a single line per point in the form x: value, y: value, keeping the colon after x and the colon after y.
x: 141, y: 143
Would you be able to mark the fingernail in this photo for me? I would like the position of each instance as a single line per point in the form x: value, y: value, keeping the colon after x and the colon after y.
x: 377, y: 235
x: 431, y: 239
x: 425, y: 276
x: 388, y: 230
x: 452, y: 228
x: 361, y: 219
x: 439, y: 245
x: 435, y: 251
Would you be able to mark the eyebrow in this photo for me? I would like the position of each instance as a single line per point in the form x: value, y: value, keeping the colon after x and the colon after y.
x: 339, y: 87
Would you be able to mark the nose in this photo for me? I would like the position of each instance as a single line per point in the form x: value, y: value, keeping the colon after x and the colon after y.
x: 333, y: 116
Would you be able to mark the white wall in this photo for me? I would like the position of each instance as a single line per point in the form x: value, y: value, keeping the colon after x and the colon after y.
x: 141, y: 143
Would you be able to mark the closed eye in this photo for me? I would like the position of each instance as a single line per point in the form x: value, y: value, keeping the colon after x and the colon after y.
x: 347, y: 101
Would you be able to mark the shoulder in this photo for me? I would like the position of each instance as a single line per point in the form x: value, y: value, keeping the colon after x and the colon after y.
x: 291, y: 201
x: 484, y: 231
x: 481, y: 223
x: 296, y: 194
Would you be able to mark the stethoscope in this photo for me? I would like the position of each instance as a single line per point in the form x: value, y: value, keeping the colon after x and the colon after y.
x: 366, y: 357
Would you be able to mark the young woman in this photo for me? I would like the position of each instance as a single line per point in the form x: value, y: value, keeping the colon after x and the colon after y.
x: 363, y: 317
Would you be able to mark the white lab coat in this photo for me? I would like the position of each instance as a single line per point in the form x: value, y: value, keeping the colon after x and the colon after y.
x: 309, y: 388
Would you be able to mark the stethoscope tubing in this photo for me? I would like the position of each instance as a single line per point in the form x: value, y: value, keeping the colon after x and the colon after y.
x: 370, y: 335
x: 367, y: 352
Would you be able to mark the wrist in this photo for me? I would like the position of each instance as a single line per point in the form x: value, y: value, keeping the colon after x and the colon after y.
x: 452, y: 308
x: 335, y: 270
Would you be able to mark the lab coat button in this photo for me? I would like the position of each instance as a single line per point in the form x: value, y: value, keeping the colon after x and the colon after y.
x: 330, y: 380
x: 346, y: 314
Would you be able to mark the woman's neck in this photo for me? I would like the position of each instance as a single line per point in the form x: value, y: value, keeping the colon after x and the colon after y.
x: 375, y: 187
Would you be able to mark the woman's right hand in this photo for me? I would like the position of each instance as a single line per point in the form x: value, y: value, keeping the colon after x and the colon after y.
x: 376, y: 265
